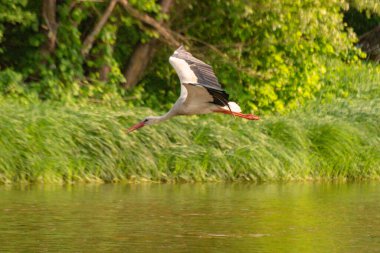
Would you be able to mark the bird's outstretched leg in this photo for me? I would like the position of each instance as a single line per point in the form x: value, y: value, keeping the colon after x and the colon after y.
x: 238, y: 114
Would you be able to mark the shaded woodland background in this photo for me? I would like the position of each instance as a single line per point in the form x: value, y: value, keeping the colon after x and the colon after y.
x: 271, y: 55
x: 74, y: 75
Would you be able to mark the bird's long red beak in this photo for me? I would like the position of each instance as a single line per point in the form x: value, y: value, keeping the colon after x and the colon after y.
x: 135, y: 127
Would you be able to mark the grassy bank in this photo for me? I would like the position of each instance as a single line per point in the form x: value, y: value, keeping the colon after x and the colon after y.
x: 46, y: 142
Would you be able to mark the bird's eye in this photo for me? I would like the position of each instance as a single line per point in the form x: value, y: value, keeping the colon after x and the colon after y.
x: 145, y: 120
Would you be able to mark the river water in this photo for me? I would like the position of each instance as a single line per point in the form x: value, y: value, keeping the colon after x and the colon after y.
x: 219, y: 217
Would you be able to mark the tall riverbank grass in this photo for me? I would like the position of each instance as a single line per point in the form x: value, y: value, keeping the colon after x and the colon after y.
x: 47, y: 142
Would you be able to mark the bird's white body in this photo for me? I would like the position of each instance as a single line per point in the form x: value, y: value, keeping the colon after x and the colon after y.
x: 194, y: 100
x: 201, y: 92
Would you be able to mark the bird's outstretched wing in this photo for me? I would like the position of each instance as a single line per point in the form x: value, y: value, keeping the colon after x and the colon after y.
x: 192, y: 70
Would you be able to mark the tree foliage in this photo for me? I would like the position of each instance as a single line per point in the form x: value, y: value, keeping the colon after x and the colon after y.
x: 270, y: 55
x: 370, y: 6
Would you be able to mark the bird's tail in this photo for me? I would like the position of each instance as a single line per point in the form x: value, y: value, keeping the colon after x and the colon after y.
x: 233, y: 107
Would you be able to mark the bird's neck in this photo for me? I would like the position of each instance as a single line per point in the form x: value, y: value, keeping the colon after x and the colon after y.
x: 164, y: 117
x: 168, y: 115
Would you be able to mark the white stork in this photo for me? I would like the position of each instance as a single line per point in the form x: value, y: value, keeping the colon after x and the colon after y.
x: 201, y: 92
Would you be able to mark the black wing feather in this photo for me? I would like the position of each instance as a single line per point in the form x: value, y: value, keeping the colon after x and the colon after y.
x: 220, y: 97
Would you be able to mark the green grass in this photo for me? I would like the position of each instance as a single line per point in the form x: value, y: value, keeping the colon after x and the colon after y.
x: 47, y: 142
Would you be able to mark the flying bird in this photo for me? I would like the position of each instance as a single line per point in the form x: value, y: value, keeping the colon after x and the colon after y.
x: 201, y: 93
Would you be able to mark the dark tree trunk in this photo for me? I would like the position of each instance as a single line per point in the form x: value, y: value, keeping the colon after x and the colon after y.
x: 104, y: 71
x: 370, y: 43
x: 143, y: 54
x: 49, y: 16
x: 139, y: 61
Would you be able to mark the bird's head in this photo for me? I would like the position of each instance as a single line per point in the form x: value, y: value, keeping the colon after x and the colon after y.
x: 145, y: 122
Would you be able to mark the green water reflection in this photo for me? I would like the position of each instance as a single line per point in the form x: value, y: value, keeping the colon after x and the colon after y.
x: 240, y: 217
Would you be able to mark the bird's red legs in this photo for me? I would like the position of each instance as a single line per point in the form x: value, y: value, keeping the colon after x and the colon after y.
x: 238, y: 114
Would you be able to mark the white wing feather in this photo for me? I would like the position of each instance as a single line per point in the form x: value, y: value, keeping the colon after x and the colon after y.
x: 185, y: 74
